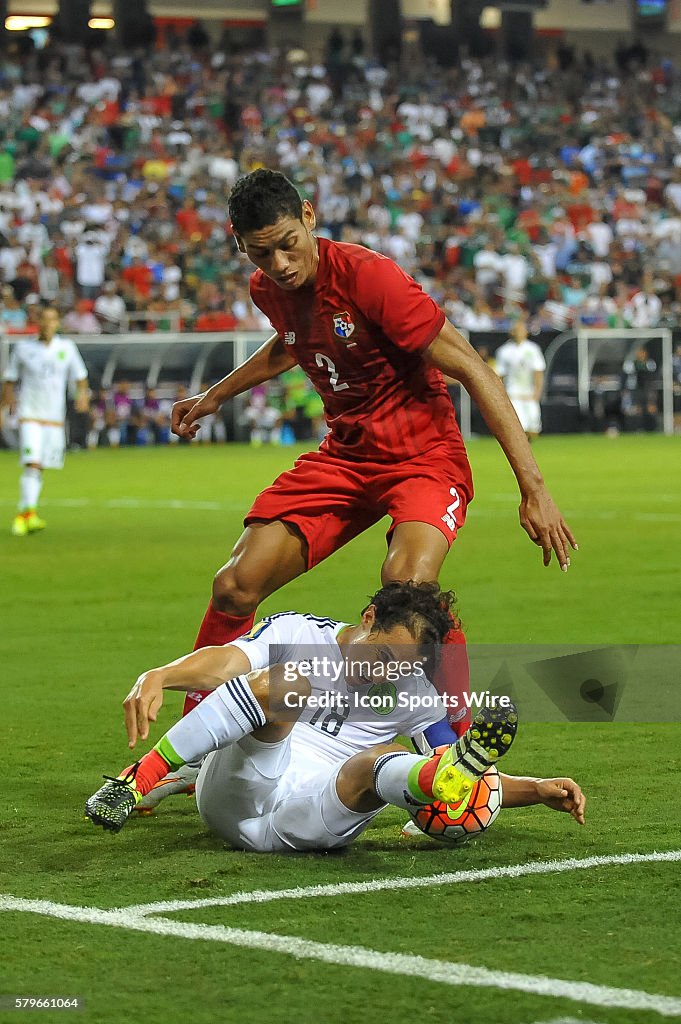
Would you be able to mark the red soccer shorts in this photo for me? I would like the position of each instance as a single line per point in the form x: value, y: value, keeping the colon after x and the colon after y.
x: 331, y: 500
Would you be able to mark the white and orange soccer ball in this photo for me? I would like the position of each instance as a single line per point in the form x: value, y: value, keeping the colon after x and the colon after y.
x: 457, y: 823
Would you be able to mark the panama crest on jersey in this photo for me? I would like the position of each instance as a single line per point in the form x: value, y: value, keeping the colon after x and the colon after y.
x: 342, y: 324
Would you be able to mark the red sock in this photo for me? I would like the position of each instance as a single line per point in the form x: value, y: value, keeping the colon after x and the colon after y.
x: 452, y: 679
x: 150, y: 770
x: 216, y: 629
x: 427, y: 774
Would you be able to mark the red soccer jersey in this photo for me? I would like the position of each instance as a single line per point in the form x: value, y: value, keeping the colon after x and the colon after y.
x: 359, y: 333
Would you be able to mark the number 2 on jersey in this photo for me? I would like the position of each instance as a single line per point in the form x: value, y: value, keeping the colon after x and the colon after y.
x: 323, y: 360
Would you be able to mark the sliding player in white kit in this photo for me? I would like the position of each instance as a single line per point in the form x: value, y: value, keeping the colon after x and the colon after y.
x: 45, y: 366
x: 295, y: 754
x: 521, y: 365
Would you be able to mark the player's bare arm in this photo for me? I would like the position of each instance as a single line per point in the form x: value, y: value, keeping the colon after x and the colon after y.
x: 268, y: 362
x: 538, y: 385
x: 562, y: 794
x: 205, y: 669
x: 540, y: 517
x: 8, y: 399
x: 82, y: 401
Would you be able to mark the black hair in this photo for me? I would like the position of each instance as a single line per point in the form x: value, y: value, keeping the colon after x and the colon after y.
x: 425, y: 610
x: 260, y: 199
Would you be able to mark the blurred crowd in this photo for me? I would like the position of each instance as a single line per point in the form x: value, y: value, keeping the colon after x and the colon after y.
x: 554, y: 189
x: 281, y: 412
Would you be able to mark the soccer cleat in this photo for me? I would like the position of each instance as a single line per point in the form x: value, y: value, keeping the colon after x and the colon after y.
x: 19, y: 526
x: 112, y: 805
x: 34, y: 523
x: 491, y: 734
x: 181, y: 781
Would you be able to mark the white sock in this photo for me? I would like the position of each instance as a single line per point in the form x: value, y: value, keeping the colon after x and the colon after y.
x: 392, y: 782
x: 223, y: 717
x: 30, y: 486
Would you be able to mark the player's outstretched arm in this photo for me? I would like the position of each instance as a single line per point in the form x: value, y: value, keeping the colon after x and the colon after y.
x: 562, y: 794
x: 269, y: 361
x: 205, y: 669
x: 540, y: 517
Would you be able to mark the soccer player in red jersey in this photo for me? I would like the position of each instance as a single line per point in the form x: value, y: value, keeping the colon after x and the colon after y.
x: 375, y: 346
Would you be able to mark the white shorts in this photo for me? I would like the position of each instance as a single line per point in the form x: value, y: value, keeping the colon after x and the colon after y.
x: 271, y: 797
x: 529, y: 414
x: 41, y: 444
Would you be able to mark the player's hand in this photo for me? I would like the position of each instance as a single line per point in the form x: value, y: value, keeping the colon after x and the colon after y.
x: 541, y: 519
x: 185, y: 414
x: 563, y: 795
x: 142, y: 705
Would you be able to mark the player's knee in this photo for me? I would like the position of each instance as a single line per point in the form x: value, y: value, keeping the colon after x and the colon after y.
x: 400, y: 568
x: 259, y: 683
x: 357, y: 773
x: 231, y: 597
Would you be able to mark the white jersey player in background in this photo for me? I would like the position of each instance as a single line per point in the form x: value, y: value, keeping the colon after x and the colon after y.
x: 45, y: 367
x: 297, y: 746
x: 521, y: 365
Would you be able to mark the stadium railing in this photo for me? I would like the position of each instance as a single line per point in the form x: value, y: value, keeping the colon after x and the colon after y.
x: 577, y: 361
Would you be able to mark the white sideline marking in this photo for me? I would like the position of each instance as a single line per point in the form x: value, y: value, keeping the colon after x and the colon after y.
x: 545, y: 867
x: 356, y: 956
x: 180, y: 505
x: 172, y: 504
x: 566, y: 1020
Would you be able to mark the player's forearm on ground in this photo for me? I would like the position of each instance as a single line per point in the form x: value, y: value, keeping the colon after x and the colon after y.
x: 205, y: 669
x: 269, y: 361
x: 519, y: 791
x: 453, y: 355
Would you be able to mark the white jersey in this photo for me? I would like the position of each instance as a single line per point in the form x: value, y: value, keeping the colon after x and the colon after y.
x: 45, y: 371
x: 336, y: 732
x: 517, y: 364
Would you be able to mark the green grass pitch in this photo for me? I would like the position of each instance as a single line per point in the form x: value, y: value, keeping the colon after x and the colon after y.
x: 118, y: 583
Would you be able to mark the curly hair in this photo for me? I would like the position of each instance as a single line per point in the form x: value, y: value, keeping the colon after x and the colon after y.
x: 422, y: 608
x: 260, y: 199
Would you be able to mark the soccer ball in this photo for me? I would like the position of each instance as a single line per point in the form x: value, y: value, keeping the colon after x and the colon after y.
x: 449, y: 823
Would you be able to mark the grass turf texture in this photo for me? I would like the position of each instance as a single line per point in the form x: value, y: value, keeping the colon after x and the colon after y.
x: 118, y: 582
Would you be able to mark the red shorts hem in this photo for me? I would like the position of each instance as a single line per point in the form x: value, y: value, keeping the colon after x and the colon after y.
x: 330, y: 502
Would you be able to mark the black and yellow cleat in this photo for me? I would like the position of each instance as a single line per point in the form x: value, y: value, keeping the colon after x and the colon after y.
x: 112, y: 805
x: 491, y: 734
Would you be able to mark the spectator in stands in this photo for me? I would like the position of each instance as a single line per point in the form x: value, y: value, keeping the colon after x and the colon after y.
x: 154, y: 418
x: 110, y: 309
x: 215, y: 320
x: 263, y: 420
x: 477, y: 317
x: 102, y: 421
x: 126, y: 419
x: 82, y: 319
x: 48, y: 279
x: 12, y: 315
x: 644, y: 307
x: 90, y: 255
x: 464, y: 175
